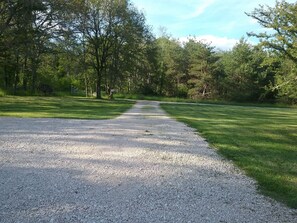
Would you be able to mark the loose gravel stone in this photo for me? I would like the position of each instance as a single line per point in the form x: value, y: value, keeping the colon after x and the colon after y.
x: 140, y: 167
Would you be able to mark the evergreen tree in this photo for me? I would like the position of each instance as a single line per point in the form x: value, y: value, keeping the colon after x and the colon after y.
x: 202, y: 68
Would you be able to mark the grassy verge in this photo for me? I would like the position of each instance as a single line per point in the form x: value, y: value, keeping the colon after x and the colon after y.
x: 260, y: 140
x: 61, y: 107
x: 203, y: 101
x: 149, y: 98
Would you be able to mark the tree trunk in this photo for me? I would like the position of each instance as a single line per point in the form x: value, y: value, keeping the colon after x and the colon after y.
x: 98, y: 87
x: 6, y: 78
x: 15, y: 84
x: 99, y: 81
x: 204, y: 91
x: 34, y: 75
x: 86, y: 84
x: 26, y: 75
x: 33, y: 87
x: 98, y: 69
x: 16, y: 76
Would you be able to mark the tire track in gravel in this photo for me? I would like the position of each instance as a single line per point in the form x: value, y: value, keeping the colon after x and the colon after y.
x: 140, y: 167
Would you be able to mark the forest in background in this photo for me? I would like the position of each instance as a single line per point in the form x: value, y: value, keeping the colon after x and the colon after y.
x: 93, y: 46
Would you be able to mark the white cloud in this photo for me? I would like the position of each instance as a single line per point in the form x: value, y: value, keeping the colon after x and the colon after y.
x: 199, y: 9
x: 175, y: 9
x: 224, y: 20
x: 222, y: 43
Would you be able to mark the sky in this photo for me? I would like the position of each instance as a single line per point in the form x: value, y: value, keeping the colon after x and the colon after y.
x: 219, y: 22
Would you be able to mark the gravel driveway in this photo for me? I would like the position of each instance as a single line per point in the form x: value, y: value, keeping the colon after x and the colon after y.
x: 140, y: 167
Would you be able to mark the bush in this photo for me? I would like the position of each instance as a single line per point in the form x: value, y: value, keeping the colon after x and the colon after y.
x: 46, y: 89
x: 2, y: 93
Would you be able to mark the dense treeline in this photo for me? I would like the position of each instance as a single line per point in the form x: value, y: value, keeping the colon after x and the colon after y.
x: 48, y: 46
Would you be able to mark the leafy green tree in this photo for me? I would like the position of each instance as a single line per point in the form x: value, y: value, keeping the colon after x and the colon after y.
x: 243, y: 72
x: 282, y: 19
x: 202, y: 69
x: 113, y: 31
x: 131, y: 50
x: 140, y: 72
x: 27, y: 32
x: 285, y: 84
x: 171, y: 69
x: 281, y: 40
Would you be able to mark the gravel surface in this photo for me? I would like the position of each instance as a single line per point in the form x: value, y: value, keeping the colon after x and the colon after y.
x: 140, y: 167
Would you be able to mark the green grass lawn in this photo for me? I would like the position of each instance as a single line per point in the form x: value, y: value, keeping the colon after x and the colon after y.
x: 260, y: 140
x: 61, y: 107
x: 202, y: 101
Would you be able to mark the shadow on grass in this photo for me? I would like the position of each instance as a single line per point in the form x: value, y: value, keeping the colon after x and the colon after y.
x: 261, y: 141
x: 66, y: 107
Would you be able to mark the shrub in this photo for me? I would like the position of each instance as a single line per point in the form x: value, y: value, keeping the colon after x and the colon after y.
x: 2, y: 93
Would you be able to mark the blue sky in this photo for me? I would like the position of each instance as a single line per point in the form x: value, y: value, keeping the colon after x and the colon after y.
x: 221, y: 22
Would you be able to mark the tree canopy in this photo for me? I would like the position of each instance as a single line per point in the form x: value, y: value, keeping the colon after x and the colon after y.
x: 94, y: 46
x: 280, y: 38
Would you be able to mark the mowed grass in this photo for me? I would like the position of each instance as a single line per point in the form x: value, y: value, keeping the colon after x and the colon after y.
x: 61, y: 107
x: 260, y: 140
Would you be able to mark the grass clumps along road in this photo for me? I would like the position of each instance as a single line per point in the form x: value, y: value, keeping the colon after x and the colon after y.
x: 62, y: 107
x: 260, y: 140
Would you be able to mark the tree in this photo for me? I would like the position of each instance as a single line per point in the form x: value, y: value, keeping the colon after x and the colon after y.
x: 131, y: 51
x: 171, y: 66
x: 28, y: 29
x: 281, y: 40
x: 248, y: 71
x: 19, y: 32
x: 202, y: 69
x: 113, y: 30
x: 282, y: 19
x: 285, y: 84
